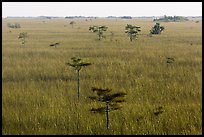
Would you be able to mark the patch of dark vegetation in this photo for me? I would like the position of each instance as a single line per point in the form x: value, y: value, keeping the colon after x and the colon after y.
x: 15, y: 25
x: 172, y: 19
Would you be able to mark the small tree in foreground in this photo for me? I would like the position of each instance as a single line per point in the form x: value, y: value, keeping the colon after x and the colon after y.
x: 23, y: 36
x: 157, y: 29
x: 132, y: 31
x: 111, y: 101
x: 77, y: 64
x: 99, y: 30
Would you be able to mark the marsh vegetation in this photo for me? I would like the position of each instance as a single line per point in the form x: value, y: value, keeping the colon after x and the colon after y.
x: 39, y: 90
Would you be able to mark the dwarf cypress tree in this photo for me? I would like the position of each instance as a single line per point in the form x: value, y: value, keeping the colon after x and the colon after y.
x: 110, y: 100
x: 72, y: 23
x: 77, y: 64
x: 99, y: 30
x: 23, y: 36
x: 157, y: 29
x: 132, y: 31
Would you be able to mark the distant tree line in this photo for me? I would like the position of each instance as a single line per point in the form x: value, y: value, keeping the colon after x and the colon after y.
x: 172, y: 19
x: 73, y: 17
x: 126, y: 17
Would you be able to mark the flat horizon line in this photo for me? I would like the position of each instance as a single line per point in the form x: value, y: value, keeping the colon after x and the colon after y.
x: 102, y: 16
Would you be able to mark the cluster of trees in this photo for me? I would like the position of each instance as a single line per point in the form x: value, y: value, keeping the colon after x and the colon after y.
x: 131, y: 30
x: 172, y: 19
x: 15, y: 25
x: 110, y: 101
x: 22, y: 36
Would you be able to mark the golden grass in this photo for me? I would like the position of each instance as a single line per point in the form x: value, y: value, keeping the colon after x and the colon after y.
x: 39, y: 90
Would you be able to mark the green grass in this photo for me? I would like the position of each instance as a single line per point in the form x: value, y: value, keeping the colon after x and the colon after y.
x: 39, y: 94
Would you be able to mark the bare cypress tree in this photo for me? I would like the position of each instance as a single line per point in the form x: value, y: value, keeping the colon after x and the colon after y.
x: 111, y: 101
x: 77, y: 64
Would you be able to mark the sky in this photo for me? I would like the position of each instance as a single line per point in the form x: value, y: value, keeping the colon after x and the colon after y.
x: 101, y: 9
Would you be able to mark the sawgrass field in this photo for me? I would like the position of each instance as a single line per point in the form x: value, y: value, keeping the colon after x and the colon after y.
x: 39, y: 91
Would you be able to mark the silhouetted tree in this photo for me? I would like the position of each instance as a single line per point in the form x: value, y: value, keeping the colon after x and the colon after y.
x: 111, y: 101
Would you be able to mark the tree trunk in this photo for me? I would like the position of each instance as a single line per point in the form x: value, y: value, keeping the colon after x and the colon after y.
x: 107, y: 116
x: 99, y: 37
x: 78, y: 84
x: 23, y: 42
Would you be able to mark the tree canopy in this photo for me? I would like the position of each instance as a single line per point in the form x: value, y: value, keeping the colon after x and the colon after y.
x: 132, y: 31
x: 99, y: 30
x: 157, y: 29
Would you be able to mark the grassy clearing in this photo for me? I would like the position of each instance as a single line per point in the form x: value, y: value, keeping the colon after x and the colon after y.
x: 39, y: 90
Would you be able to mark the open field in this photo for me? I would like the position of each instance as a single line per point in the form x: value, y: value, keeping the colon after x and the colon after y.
x: 39, y: 90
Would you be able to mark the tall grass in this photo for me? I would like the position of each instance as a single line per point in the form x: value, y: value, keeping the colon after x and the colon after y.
x: 39, y: 90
